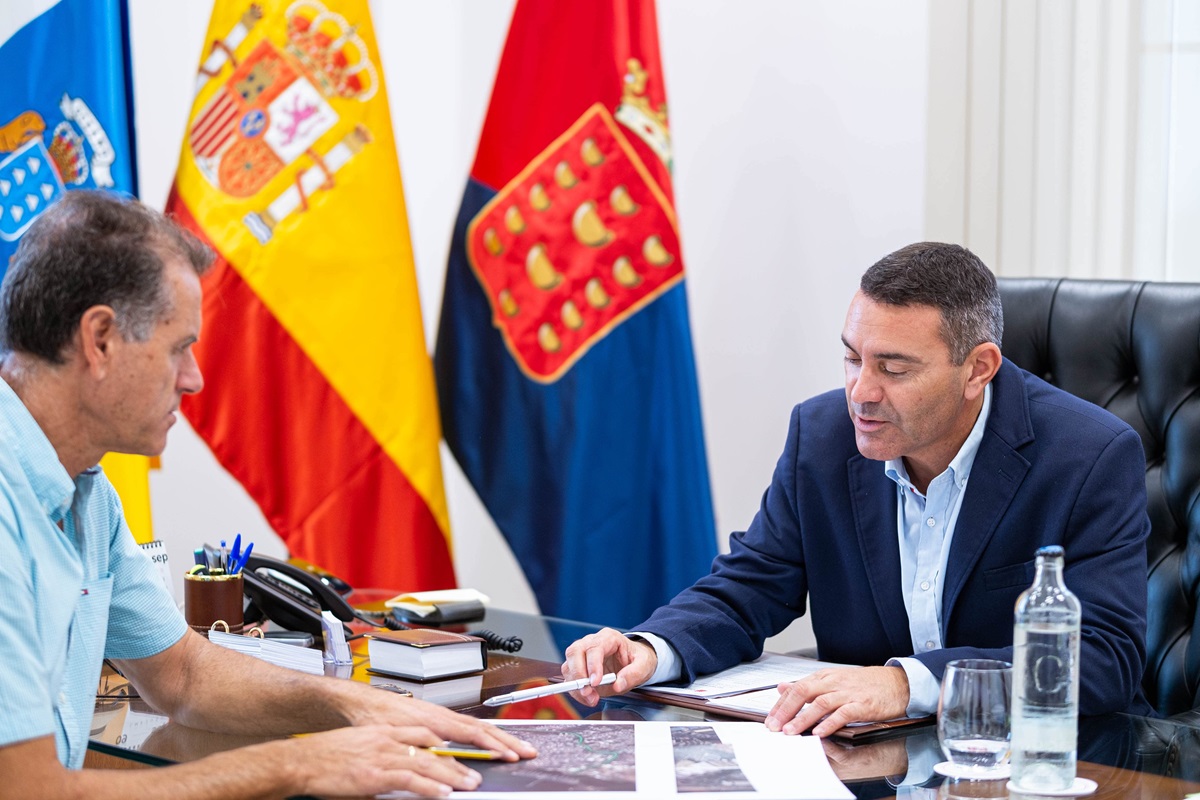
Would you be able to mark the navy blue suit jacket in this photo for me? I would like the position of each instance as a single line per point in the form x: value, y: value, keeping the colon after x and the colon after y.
x: 1051, y: 469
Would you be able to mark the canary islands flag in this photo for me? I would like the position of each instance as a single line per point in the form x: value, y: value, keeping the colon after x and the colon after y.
x: 564, y: 360
x: 66, y: 122
x: 319, y: 391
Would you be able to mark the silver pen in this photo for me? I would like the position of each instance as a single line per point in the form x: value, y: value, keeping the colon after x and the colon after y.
x: 545, y: 691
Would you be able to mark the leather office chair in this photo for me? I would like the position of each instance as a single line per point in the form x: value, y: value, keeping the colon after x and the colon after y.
x: 1134, y: 349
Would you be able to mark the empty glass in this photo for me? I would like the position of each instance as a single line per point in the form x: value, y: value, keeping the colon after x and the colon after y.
x: 974, y: 724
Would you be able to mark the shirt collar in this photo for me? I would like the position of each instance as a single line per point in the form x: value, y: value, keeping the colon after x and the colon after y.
x: 960, y: 465
x: 51, y: 484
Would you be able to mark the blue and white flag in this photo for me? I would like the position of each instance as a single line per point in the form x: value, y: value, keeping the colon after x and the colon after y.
x: 65, y: 107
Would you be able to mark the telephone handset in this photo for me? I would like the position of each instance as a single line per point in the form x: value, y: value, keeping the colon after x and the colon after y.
x: 292, y: 597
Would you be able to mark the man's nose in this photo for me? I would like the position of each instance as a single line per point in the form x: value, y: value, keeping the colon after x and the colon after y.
x: 865, y: 388
x: 191, y: 380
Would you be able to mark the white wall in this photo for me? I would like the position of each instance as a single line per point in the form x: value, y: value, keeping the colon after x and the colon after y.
x: 799, y: 133
x: 1068, y: 135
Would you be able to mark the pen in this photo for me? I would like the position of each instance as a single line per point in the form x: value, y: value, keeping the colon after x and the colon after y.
x: 463, y: 751
x: 543, y: 691
x: 245, y: 557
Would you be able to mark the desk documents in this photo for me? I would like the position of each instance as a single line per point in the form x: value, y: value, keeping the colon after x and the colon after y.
x: 726, y: 760
x: 748, y: 691
x: 766, y: 671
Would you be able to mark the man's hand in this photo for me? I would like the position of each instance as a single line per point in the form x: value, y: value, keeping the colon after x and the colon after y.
x: 608, y: 651
x: 832, y: 698
x: 449, y: 725
x: 348, y: 762
x: 862, y: 762
x: 369, y: 760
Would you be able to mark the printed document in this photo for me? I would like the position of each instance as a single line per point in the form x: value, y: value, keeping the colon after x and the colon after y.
x: 699, y: 760
x: 765, y: 672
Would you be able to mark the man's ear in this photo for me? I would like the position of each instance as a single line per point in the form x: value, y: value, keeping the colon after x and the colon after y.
x: 98, y: 337
x: 984, y: 362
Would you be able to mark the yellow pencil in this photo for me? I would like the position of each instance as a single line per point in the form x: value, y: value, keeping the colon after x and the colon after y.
x: 464, y: 751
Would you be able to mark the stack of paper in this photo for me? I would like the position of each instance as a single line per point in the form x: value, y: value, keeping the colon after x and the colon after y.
x: 766, y: 671
x: 451, y: 693
x: 291, y: 656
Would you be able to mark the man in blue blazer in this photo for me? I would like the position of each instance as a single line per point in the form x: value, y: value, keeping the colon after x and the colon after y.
x: 910, y: 523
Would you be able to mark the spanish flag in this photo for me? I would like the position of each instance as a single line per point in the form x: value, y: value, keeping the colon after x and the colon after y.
x: 319, y: 391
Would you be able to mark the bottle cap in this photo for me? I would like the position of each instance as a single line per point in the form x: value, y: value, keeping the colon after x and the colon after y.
x: 1050, y: 551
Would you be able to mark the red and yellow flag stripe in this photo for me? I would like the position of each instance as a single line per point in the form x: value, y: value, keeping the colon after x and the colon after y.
x: 319, y: 395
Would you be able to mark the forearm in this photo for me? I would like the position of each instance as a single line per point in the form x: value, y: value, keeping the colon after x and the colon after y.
x: 198, y: 684
x: 724, y: 618
x: 261, y: 771
x: 204, y: 686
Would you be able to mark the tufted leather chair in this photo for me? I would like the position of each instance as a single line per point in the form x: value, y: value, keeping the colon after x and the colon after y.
x: 1134, y: 349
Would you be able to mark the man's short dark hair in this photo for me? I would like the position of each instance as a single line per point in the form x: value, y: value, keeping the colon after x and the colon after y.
x: 948, y: 277
x: 91, y: 248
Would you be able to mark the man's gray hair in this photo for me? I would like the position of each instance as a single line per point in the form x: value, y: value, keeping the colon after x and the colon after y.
x: 91, y: 248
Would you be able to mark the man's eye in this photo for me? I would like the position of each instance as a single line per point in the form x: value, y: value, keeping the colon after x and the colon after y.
x: 885, y: 369
x: 854, y: 361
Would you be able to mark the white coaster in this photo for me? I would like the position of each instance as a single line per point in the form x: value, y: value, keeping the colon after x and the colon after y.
x: 1080, y: 787
x: 952, y: 770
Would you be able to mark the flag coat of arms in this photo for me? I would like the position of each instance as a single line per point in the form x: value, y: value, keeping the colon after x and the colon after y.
x: 319, y: 391
x: 564, y: 359
x: 65, y: 111
x: 66, y: 122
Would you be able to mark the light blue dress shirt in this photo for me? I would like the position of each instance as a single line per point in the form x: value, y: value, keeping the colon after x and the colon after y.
x: 925, y: 526
x: 69, y: 596
x: 925, y: 523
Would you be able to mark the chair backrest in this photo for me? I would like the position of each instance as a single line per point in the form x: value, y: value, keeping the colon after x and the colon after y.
x: 1134, y: 349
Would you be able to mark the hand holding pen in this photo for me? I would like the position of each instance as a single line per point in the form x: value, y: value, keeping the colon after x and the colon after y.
x: 545, y: 691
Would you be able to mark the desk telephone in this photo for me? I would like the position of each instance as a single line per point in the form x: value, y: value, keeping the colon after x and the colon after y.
x: 294, y: 598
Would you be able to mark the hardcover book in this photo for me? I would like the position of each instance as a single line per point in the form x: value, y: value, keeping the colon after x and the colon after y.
x: 457, y: 692
x: 424, y: 654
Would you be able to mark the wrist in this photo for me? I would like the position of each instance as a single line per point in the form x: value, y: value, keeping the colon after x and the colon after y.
x: 360, y: 705
x: 650, y: 654
x: 293, y: 771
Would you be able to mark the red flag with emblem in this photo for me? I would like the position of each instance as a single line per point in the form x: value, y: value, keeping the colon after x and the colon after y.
x: 564, y: 360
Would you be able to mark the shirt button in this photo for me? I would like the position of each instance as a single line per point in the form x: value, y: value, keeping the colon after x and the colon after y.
x: 930, y: 522
x: 925, y: 586
x: 929, y: 644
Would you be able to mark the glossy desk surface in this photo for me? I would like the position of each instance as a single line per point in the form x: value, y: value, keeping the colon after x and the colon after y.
x: 1127, y: 756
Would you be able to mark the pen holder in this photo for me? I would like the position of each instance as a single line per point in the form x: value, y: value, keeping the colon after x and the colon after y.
x: 209, y: 598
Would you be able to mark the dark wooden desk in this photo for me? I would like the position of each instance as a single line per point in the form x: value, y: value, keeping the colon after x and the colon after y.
x: 1127, y: 756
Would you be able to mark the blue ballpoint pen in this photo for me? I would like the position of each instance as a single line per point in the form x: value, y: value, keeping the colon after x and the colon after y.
x: 245, y: 557
x: 236, y: 553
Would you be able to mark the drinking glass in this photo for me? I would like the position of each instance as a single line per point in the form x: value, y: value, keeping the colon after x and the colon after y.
x: 974, y: 724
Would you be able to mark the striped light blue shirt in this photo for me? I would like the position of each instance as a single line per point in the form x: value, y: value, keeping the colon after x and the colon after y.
x: 69, y: 596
